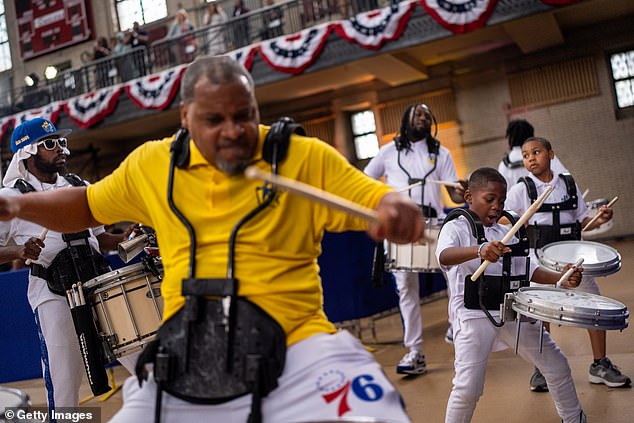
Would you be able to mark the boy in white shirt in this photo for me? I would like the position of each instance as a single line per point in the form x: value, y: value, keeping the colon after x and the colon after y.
x: 561, y: 219
x: 459, y: 255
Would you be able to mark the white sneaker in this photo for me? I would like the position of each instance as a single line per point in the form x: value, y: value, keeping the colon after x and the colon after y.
x: 412, y: 363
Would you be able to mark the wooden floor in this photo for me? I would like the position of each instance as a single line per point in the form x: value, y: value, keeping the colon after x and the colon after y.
x: 507, y: 397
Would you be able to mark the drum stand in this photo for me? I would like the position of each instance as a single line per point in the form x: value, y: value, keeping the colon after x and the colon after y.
x: 108, y: 394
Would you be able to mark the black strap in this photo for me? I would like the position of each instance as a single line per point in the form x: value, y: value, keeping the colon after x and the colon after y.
x: 39, y: 271
x: 512, y: 165
x: 477, y: 229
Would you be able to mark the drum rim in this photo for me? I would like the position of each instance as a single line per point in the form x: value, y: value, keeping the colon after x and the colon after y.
x: 23, y: 396
x: 592, y: 269
x: 588, y: 318
x: 527, y: 289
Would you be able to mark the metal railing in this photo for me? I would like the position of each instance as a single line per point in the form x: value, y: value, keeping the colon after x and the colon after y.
x: 268, y: 22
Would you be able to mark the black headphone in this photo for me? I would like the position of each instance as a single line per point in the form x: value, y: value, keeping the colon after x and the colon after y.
x: 274, y: 148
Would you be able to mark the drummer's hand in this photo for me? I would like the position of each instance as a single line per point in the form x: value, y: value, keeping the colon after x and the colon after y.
x: 605, y: 214
x: 575, y: 278
x: 457, y: 194
x: 31, y: 249
x: 493, y: 250
x: 133, y: 228
x: 400, y: 220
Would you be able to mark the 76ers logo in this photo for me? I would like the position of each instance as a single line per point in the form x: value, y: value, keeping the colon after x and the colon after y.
x: 335, y: 385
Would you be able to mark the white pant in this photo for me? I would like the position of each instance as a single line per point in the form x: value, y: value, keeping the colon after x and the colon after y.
x: 62, y: 364
x: 326, y: 377
x: 408, y: 290
x: 473, y: 341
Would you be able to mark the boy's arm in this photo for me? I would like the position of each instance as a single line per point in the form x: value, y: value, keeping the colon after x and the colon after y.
x: 491, y: 251
x: 541, y: 275
x: 605, y: 214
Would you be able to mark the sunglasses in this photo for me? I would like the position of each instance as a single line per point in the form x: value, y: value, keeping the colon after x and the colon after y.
x: 49, y: 143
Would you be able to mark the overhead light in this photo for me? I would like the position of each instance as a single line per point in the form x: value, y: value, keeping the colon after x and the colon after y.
x: 31, y: 79
x: 50, y: 72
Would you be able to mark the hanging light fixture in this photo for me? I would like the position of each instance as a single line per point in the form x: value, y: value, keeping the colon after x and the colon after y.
x: 31, y: 80
x: 50, y: 72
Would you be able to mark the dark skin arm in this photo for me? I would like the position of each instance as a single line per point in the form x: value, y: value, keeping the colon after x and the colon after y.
x: 45, y: 209
x: 30, y: 250
x: 400, y: 220
x: 457, y: 194
x: 492, y: 251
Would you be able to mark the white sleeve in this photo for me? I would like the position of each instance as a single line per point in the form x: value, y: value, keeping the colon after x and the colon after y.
x: 517, y: 199
x: 376, y: 168
x: 447, y: 238
x: 447, y: 167
x: 557, y: 166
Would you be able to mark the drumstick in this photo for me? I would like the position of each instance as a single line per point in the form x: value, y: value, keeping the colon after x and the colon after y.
x: 527, y: 215
x: 585, y: 193
x: 447, y: 183
x: 315, y: 194
x: 594, y: 219
x: 41, y: 237
x: 407, y: 188
x: 569, y: 272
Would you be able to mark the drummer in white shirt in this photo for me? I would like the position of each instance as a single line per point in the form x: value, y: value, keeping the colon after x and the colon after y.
x: 565, y: 206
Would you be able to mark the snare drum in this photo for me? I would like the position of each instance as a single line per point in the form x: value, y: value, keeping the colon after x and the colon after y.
x: 568, y: 307
x: 12, y: 398
x: 127, y: 307
x: 416, y: 257
x: 598, y: 259
x: 593, y: 208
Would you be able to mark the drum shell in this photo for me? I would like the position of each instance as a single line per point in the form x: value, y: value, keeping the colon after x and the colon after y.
x: 127, y: 308
x: 12, y: 398
x: 415, y: 257
x: 568, y: 307
x: 599, y: 259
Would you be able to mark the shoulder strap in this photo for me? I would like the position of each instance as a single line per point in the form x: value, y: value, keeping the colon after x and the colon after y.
x: 74, y: 180
x: 530, y: 187
x: 23, y: 186
x: 570, y: 186
x: 477, y: 230
x: 511, y: 165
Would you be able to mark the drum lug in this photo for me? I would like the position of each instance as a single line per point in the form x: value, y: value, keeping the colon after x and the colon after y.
x: 506, y: 309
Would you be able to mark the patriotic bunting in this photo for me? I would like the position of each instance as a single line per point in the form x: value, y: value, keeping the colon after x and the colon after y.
x: 294, y: 53
x: 155, y: 91
x: 50, y: 112
x: 88, y: 109
x: 244, y: 56
x: 460, y: 16
x: 372, y: 29
x: 288, y: 53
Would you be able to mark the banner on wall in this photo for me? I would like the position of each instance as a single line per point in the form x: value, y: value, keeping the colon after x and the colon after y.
x: 46, y: 26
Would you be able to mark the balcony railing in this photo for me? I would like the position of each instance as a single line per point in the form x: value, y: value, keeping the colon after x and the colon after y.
x: 258, y: 25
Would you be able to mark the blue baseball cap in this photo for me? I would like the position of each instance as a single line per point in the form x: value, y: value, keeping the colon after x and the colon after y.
x: 35, y: 130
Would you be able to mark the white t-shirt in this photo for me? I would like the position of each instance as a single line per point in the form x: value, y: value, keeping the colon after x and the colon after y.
x: 457, y: 233
x: 512, y: 175
x: 20, y: 231
x: 517, y: 200
x: 417, y: 163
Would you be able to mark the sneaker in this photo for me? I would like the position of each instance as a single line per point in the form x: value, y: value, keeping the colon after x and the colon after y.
x: 606, y: 372
x: 412, y: 363
x: 538, y: 382
x: 449, y: 335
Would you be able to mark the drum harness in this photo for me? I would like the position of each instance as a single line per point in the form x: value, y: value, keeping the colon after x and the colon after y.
x: 488, y: 291
x: 541, y: 235
x: 77, y: 262
x: 217, y: 349
x: 512, y: 165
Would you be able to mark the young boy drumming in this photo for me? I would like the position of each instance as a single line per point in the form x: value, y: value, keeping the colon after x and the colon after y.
x: 560, y: 219
x: 459, y: 255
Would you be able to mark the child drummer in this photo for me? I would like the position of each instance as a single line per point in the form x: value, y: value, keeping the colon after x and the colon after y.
x: 475, y: 336
x: 561, y: 219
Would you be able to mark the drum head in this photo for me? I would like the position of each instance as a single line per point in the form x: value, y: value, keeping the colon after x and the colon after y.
x: 568, y: 307
x: 10, y: 398
x: 598, y: 259
x: 116, y: 277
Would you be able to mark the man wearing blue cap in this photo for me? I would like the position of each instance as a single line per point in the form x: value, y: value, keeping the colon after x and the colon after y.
x: 39, y: 159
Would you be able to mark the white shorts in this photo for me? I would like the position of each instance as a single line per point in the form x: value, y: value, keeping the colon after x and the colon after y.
x: 326, y: 377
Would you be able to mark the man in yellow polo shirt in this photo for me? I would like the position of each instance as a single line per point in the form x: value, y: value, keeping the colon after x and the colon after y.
x: 326, y: 374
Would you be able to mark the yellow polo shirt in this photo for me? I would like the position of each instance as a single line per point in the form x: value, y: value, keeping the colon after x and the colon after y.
x: 276, y: 252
